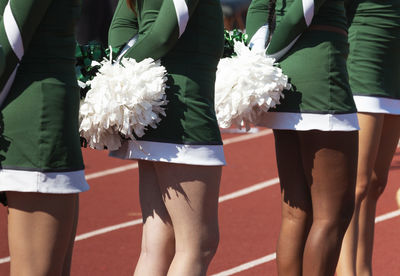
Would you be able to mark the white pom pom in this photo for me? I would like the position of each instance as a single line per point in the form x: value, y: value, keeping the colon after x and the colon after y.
x: 246, y: 85
x: 124, y: 98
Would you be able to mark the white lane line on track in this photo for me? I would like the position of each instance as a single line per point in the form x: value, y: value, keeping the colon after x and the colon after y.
x: 135, y: 165
x: 272, y: 257
x: 112, y: 171
x: 248, y: 265
x: 108, y: 229
x: 4, y: 260
x: 387, y: 216
x: 245, y: 137
x: 249, y: 190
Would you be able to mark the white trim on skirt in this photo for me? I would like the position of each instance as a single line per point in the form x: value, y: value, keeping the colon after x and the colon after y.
x: 203, y: 155
x: 374, y: 104
x: 43, y: 182
x: 309, y: 121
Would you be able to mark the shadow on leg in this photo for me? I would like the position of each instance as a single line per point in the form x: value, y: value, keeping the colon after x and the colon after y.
x: 296, y: 203
x: 158, y: 242
x: 191, y: 197
x: 331, y: 160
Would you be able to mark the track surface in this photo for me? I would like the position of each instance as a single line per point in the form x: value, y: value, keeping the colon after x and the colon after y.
x: 109, y: 230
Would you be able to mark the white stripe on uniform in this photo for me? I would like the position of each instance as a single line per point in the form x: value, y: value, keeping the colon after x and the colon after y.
x: 182, y: 14
x: 13, y: 33
x: 308, y: 11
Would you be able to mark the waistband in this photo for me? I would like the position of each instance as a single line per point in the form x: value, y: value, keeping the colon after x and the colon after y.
x: 328, y: 28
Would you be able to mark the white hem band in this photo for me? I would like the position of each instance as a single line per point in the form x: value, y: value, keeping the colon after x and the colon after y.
x: 309, y: 121
x: 43, y: 182
x: 203, y: 155
x: 372, y: 104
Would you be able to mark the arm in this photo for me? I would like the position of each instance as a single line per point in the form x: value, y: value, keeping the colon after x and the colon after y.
x: 124, y: 25
x: 17, y: 26
x: 164, y: 33
x: 257, y: 24
x: 293, y: 24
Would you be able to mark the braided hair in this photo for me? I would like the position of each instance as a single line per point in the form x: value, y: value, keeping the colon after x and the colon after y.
x: 131, y: 4
x: 271, y: 17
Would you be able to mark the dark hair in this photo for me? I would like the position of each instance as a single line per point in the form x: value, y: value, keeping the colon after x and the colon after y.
x: 131, y: 4
x: 271, y: 17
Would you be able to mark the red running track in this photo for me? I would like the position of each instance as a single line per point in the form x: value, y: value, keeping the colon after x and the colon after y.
x: 249, y: 220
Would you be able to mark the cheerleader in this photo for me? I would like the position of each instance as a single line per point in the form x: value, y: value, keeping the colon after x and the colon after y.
x: 374, y: 70
x: 41, y: 167
x: 180, y: 160
x: 315, y: 129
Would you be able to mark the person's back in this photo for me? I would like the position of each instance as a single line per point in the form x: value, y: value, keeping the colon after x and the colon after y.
x: 41, y: 165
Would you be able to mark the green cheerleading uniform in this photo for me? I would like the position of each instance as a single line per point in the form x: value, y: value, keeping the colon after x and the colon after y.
x: 187, y: 36
x: 39, y: 135
x: 310, y: 44
x: 374, y: 59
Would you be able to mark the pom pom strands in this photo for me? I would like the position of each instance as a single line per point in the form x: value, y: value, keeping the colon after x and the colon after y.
x: 247, y: 85
x: 125, y: 98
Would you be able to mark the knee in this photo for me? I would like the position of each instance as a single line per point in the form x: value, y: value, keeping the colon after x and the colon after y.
x: 159, y: 248
x: 209, y: 245
x: 362, y: 187
x: 377, y: 186
x: 341, y: 220
x: 202, y: 247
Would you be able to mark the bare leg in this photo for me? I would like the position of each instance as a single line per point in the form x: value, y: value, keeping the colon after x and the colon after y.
x: 38, y: 225
x: 296, y: 204
x: 330, y: 161
x: 191, y: 197
x: 369, y: 138
x: 387, y: 147
x: 68, y: 257
x: 158, y: 242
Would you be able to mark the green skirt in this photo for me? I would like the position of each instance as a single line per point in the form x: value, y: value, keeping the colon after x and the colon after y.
x: 374, y: 60
x: 320, y: 97
x: 39, y: 139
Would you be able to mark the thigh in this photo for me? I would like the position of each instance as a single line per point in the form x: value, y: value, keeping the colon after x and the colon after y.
x: 330, y: 160
x: 190, y: 195
x: 294, y: 183
x: 157, y: 226
x: 39, y: 229
x: 371, y: 125
x: 388, y: 145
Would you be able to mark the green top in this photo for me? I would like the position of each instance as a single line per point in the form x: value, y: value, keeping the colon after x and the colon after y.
x: 374, y: 12
x: 187, y: 36
x: 293, y: 17
x: 38, y: 36
x: 169, y: 28
x: 374, y: 37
